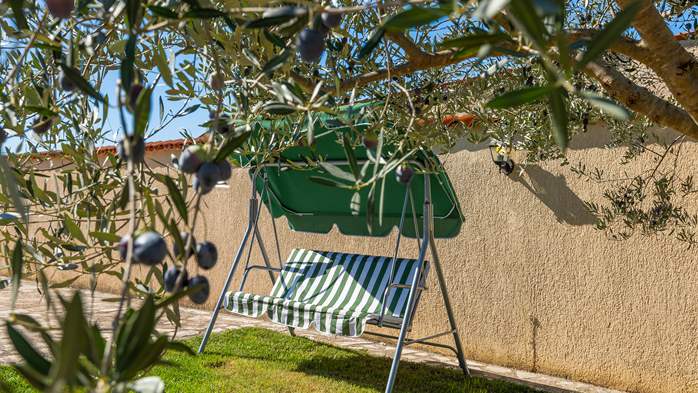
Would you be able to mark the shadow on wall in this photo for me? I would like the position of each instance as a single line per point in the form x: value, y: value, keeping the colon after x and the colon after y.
x: 553, y: 191
x: 535, y: 327
x: 596, y: 136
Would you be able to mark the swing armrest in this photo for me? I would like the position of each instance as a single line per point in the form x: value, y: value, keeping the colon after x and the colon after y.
x: 250, y: 268
x: 381, y: 318
x: 262, y: 267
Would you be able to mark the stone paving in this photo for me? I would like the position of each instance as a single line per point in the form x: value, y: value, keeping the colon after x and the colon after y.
x: 194, y: 322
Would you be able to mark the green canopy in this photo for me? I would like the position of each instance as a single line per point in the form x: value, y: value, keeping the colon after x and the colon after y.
x: 293, y: 190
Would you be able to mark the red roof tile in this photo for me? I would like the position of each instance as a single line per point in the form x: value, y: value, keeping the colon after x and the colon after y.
x: 172, y: 144
x: 168, y: 145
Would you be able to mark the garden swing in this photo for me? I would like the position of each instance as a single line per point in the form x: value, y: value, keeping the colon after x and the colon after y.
x: 339, y: 293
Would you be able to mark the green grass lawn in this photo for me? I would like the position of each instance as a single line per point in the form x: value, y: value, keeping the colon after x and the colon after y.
x: 258, y: 360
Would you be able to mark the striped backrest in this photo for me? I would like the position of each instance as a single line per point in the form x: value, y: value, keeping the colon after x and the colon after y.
x: 339, y: 281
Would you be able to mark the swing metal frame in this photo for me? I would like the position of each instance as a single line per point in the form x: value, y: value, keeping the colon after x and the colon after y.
x: 426, y: 243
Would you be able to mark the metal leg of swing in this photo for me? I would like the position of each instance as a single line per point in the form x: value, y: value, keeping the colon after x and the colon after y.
x: 231, y: 273
x: 411, y: 300
x: 265, y: 257
x: 447, y: 303
x: 263, y: 251
x: 403, y: 330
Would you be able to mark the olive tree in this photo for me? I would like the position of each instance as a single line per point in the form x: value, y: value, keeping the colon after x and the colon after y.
x: 534, y: 73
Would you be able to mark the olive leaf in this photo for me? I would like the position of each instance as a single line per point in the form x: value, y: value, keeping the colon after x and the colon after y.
x: 349, y: 151
x: 371, y: 43
x: 162, y: 64
x: 163, y: 12
x: 142, y: 111
x: 82, y: 84
x: 274, y: 39
x: 520, y: 97
x: 18, y: 12
x: 65, y: 366
x: 134, y: 13
x: 278, y: 108
x: 8, y: 181
x: 175, y: 195
x: 355, y: 204
x: 107, y: 237
x: 231, y: 144
x: 64, y: 283
x: 33, y: 358
x: 413, y: 17
x: 337, y: 172
x: 41, y: 110
x: 606, y: 105
x: 276, y: 61
x: 127, y: 71
x: 475, y: 40
x: 74, y: 229
x: 489, y: 8
x: 204, y: 13
x: 277, y: 16
x: 133, y: 338
x: 328, y: 182
x: 528, y: 21
x: 558, y: 117
x: 16, y: 262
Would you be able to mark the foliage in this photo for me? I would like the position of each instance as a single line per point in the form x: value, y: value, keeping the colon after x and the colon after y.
x: 79, y: 359
x: 650, y: 202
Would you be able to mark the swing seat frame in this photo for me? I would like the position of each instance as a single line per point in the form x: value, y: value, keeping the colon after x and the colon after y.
x: 414, y: 287
x: 337, y: 293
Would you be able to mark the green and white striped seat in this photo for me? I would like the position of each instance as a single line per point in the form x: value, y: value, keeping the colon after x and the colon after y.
x: 337, y: 293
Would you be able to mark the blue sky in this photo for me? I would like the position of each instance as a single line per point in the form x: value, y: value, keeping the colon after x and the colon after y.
x: 191, y: 122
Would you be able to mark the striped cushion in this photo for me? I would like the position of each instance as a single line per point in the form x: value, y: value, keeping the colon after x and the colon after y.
x: 335, y: 292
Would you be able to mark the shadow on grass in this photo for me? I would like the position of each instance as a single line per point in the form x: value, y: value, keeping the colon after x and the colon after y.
x: 372, y: 372
x: 349, y: 366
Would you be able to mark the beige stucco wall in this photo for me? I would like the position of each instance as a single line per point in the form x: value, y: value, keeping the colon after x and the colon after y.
x: 534, y: 285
